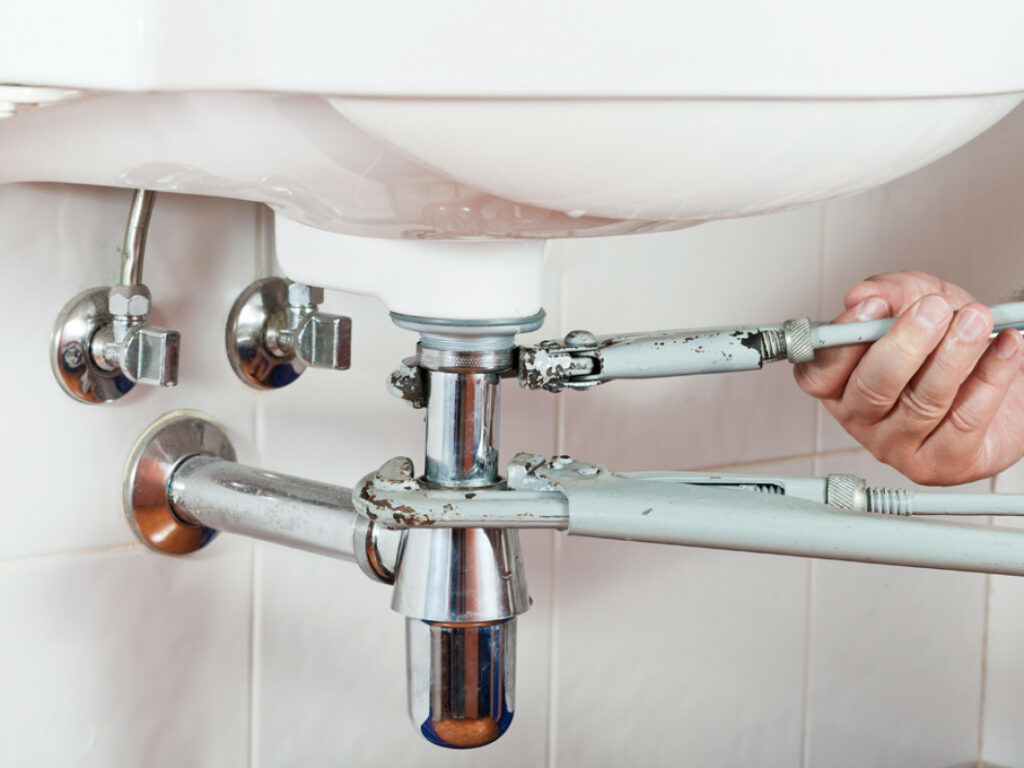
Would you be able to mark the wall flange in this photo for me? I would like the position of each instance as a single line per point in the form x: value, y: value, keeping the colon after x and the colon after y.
x: 74, y: 366
x: 166, y: 443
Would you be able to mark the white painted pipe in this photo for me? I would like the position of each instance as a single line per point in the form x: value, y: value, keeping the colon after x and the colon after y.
x: 619, y: 507
x: 833, y: 335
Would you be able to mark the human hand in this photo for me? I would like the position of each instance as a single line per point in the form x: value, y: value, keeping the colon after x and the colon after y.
x: 933, y: 397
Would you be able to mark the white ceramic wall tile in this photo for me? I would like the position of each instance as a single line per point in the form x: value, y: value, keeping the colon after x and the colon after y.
x: 678, y: 656
x: 64, y: 458
x: 958, y: 218
x: 127, y: 658
x: 330, y: 671
x: 758, y: 270
x: 895, y: 656
x: 1002, y: 740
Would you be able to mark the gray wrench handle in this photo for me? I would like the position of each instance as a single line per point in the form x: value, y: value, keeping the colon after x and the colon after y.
x: 833, y: 335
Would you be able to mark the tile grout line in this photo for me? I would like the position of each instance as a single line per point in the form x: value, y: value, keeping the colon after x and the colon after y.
x: 984, y: 667
x: 822, y: 249
x: 986, y: 618
x: 258, y: 426
x: 838, y: 452
x: 805, y: 716
x: 805, y: 713
x: 556, y: 552
x: 74, y: 554
x: 255, y: 617
x: 556, y: 549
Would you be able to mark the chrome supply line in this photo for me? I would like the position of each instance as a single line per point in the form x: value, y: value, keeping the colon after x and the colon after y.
x: 134, y: 249
x: 582, y: 360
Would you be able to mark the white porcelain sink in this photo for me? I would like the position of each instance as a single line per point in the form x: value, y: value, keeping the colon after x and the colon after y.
x: 454, y: 119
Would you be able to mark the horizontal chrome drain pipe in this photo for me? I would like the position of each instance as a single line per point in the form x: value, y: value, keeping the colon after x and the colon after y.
x: 303, y: 514
x: 182, y: 486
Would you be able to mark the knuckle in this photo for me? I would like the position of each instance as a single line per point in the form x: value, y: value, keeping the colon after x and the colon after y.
x: 928, y: 283
x: 917, y: 274
x: 867, y: 393
x: 913, y: 346
x: 994, y: 377
x: 963, y: 418
x: 922, y: 408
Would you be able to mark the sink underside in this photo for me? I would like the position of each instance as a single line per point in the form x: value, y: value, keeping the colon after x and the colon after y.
x: 442, y: 168
x: 455, y: 119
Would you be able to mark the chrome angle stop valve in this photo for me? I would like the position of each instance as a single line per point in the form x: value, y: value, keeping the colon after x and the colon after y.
x: 276, y: 330
x: 103, y: 343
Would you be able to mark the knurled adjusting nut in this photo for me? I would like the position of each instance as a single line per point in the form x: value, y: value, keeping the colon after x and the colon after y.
x: 466, y: 360
x: 846, y: 491
x: 799, y: 340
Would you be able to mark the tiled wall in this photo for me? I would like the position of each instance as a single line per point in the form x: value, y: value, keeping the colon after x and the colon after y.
x: 631, y: 654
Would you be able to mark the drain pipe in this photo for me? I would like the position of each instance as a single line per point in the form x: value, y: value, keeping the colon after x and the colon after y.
x: 182, y: 487
x: 461, y: 589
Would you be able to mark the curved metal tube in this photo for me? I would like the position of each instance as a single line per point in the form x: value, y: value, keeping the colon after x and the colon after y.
x: 298, y: 513
x: 134, y: 249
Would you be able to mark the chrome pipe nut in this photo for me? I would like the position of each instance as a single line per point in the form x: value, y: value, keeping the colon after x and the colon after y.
x: 128, y: 300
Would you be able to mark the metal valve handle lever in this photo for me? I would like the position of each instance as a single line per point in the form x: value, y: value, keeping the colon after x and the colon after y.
x: 583, y: 360
x: 103, y: 343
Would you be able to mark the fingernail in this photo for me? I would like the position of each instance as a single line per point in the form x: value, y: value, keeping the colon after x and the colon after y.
x: 969, y: 325
x: 931, y: 311
x: 1007, y: 344
x: 873, y: 308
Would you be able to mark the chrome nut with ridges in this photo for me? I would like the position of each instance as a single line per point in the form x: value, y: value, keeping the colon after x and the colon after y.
x: 128, y: 300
